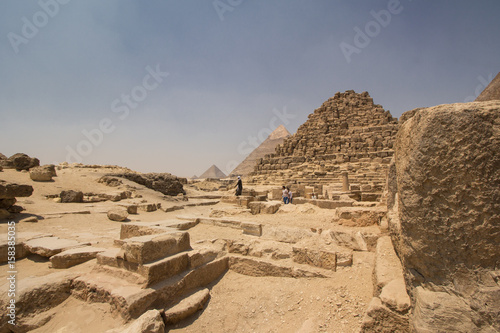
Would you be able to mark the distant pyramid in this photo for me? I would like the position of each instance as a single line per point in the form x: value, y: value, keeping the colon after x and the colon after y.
x: 267, y: 147
x: 491, y: 92
x: 213, y: 172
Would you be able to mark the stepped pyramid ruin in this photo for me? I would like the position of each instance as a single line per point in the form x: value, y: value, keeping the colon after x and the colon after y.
x: 491, y: 92
x: 213, y: 172
x: 347, y: 133
x: 267, y: 147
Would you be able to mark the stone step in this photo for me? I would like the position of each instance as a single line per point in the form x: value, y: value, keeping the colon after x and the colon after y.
x: 49, y: 246
x: 134, y: 229
x: 148, y: 248
x: 131, y: 300
x: 72, y: 257
x: 265, y: 267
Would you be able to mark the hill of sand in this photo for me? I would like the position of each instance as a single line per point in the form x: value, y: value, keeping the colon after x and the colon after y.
x: 238, y: 302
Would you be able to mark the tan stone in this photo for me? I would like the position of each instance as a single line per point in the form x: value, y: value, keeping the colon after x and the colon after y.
x: 187, y: 307
x: 143, y: 249
x: 72, y: 257
x: 117, y: 214
x: 49, y: 246
x: 150, y: 322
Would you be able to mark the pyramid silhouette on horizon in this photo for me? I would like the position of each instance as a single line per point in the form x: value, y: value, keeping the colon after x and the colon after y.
x: 267, y: 147
x: 491, y: 92
x: 213, y: 172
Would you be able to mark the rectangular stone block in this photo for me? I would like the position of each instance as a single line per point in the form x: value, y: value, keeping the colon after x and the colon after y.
x: 74, y: 257
x: 144, y: 249
x: 322, y: 259
x: 162, y: 269
x: 251, y: 228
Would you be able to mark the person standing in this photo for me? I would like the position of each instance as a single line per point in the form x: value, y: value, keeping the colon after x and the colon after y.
x: 290, y: 196
x: 239, y: 187
x: 285, y: 195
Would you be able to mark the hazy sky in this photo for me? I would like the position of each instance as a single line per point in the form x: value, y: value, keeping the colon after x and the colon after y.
x: 176, y: 86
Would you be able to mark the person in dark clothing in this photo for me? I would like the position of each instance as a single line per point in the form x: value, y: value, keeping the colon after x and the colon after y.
x: 239, y: 186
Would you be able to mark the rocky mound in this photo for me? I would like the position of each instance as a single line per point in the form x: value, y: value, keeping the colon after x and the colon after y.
x: 19, y: 162
x: 165, y: 183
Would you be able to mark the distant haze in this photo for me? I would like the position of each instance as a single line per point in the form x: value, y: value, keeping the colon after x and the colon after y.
x: 178, y: 86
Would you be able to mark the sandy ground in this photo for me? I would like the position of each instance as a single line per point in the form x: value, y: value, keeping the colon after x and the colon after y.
x: 238, y: 303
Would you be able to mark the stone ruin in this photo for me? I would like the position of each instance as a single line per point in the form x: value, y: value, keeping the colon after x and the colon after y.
x: 347, y: 133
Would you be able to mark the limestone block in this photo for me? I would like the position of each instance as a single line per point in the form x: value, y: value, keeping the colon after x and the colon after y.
x: 187, y: 307
x: 40, y: 174
x: 317, y: 258
x: 118, y: 214
x: 360, y: 216
x: 251, y: 228
x: 144, y: 249
x: 395, y: 297
x: 49, y: 246
x: 387, y: 265
x: 147, y: 207
x: 164, y: 268
x: 72, y: 257
x: 379, y: 318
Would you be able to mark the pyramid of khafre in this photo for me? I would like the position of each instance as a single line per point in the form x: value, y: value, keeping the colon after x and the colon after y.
x: 491, y: 92
x: 213, y: 172
x: 267, y: 147
x: 347, y: 133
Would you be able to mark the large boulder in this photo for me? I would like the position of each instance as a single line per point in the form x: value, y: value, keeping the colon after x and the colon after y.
x: 447, y: 162
x: 41, y: 174
x: 21, y: 162
x: 71, y: 196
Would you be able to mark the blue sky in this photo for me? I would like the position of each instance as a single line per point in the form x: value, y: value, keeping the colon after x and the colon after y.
x: 176, y: 86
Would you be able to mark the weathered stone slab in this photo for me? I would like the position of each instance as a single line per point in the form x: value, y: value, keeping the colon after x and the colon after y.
x: 379, y: 318
x: 131, y: 208
x: 317, y: 258
x: 395, y: 297
x: 147, y: 207
x: 72, y: 257
x: 326, y: 204
x: 356, y: 240
x: 201, y: 257
x: 264, y: 207
x: 49, y: 246
x: 259, y: 267
x: 387, y: 265
x: 118, y: 214
x: 144, y: 249
x: 135, y: 229
x: 187, y: 307
x: 360, y: 216
x: 251, y: 228
x: 162, y: 269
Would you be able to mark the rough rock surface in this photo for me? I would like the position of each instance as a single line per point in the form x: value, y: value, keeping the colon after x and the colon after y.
x: 448, y: 196
x: 118, y: 214
x: 41, y: 174
x: 20, y: 162
x: 71, y: 196
x: 161, y: 182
